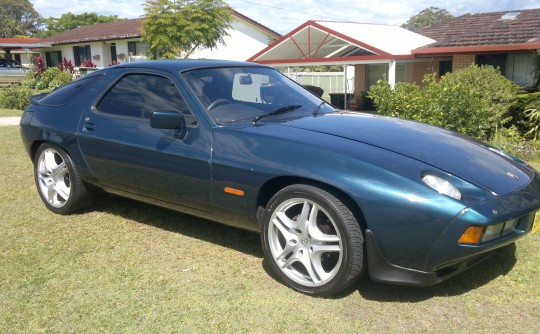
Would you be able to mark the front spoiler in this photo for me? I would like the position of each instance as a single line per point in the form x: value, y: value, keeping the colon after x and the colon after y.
x: 380, y: 270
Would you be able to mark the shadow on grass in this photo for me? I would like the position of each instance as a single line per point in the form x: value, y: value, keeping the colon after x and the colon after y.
x: 500, y: 263
x: 173, y: 221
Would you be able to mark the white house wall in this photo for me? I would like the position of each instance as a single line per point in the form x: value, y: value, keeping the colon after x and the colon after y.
x: 243, y: 42
x: 101, y: 49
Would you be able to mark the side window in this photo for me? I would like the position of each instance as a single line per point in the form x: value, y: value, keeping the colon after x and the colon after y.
x: 66, y: 93
x: 138, y: 95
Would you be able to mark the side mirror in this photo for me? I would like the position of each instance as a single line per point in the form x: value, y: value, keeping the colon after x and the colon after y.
x: 169, y: 120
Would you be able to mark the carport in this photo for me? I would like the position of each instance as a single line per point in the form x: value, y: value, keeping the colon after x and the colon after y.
x: 345, y: 43
x: 24, y: 45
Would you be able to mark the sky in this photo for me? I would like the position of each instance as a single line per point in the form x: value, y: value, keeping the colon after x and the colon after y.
x: 283, y: 16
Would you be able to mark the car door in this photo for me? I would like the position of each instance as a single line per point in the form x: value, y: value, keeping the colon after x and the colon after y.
x: 124, y: 153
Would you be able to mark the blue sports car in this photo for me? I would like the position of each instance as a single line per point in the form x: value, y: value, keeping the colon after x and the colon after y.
x: 332, y: 193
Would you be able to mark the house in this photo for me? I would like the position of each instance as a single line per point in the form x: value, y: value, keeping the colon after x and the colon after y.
x: 503, y: 39
x: 120, y: 41
x: 507, y: 40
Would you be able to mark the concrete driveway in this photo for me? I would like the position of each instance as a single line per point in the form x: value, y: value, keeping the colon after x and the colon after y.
x: 4, y: 121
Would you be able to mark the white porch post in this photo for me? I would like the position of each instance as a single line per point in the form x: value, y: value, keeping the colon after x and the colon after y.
x: 392, y: 73
x: 345, y: 87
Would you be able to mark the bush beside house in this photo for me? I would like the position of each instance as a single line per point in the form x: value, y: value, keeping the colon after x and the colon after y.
x: 38, y: 79
x: 475, y: 101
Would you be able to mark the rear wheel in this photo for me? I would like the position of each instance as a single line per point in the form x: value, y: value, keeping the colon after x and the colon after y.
x: 312, y: 240
x: 58, y: 182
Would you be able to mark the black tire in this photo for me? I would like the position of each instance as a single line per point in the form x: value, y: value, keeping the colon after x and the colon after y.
x: 58, y: 182
x: 304, y: 224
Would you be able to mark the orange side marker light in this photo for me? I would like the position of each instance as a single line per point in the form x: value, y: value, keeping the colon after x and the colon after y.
x: 472, y: 235
x: 232, y: 191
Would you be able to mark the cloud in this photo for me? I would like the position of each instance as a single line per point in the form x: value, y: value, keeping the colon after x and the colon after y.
x: 285, y: 15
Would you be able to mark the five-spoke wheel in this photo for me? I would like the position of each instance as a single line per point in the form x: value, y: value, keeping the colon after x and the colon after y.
x: 312, y: 240
x: 59, y: 185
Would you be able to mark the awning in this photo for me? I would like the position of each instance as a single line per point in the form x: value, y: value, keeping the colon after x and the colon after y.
x: 324, y: 42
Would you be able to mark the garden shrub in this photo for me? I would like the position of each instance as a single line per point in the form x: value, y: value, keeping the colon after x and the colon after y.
x: 474, y: 101
x: 510, y: 140
x: 51, y: 78
x: 15, y: 97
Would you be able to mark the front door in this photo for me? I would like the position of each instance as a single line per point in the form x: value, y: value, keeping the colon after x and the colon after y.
x: 125, y: 153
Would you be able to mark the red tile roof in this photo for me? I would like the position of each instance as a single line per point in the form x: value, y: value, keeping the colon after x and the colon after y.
x: 19, y: 40
x: 486, y: 29
x: 121, y: 30
x: 98, y: 32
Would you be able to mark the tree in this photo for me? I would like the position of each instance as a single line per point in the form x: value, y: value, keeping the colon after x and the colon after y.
x: 18, y: 18
x: 175, y: 29
x: 70, y: 21
x: 428, y: 17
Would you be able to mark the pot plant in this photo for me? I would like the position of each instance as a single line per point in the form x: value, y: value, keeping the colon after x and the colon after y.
x: 86, y: 67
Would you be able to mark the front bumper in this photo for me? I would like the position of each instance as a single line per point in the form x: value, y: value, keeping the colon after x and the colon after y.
x: 447, y: 257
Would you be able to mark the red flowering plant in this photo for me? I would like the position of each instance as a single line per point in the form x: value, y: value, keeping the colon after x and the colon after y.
x: 39, y: 65
x: 88, y: 63
x: 66, y: 66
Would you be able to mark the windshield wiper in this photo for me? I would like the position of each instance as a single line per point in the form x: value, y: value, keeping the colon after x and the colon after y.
x: 278, y: 111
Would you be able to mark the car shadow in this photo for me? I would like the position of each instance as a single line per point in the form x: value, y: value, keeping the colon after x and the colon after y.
x: 499, y: 264
x: 241, y: 240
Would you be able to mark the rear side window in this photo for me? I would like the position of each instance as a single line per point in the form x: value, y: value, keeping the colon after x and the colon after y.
x: 138, y: 95
x: 66, y: 93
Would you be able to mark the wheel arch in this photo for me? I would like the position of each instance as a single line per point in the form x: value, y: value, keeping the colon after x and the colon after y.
x: 271, y: 187
x: 34, y: 148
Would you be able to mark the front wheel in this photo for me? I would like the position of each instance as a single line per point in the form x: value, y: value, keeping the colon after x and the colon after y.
x: 58, y: 182
x: 312, y: 241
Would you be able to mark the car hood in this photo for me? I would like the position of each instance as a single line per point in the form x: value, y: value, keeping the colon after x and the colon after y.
x: 449, y: 151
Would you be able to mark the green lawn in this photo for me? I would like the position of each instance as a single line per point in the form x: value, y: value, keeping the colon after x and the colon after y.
x: 10, y: 112
x: 131, y: 267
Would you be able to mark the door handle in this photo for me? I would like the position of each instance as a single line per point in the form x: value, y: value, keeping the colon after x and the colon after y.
x: 88, y: 126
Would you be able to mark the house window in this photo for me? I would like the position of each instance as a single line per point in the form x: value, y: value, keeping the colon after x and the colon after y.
x: 137, y: 48
x: 376, y: 72
x: 53, y: 58
x: 81, y: 53
x: 516, y: 67
x: 445, y: 66
x: 497, y: 61
x: 520, y: 69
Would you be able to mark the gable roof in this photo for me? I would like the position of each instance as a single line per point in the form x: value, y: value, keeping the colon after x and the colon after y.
x: 497, y: 31
x: 333, y: 42
x: 123, y: 29
x: 98, y: 32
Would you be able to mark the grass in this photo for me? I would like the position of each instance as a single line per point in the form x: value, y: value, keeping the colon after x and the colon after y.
x: 10, y: 112
x: 130, y: 267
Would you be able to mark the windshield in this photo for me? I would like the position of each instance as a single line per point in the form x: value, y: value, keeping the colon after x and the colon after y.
x: 248, y: 94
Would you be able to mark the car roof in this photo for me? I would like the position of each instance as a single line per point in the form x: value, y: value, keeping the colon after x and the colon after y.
x: 178, y: 65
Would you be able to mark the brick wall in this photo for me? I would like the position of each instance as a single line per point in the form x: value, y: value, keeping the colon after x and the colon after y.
x: 359, y: 78
x: 462, y: 61
x: 359, y: 87
x: 423, y: 68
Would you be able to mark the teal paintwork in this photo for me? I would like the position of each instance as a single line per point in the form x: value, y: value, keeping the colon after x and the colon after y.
x: 373, y: 163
